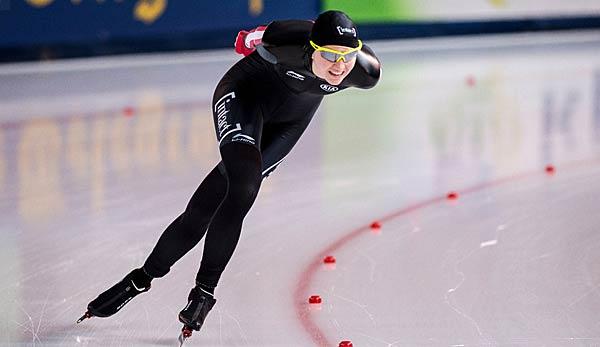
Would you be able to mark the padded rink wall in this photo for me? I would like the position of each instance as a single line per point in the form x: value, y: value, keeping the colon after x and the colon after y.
x: 49, y: 29
x: 382, y: 19
x: 46, y: 29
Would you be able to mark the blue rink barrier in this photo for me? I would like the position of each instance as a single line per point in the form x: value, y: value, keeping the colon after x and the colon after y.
x: 53, y: 29
x: 44, y: 29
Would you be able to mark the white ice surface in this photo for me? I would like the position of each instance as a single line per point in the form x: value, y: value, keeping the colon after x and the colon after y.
x: 85, y: 192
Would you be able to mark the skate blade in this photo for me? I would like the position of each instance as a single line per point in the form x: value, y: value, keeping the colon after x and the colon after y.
x: 185, y: 334
x: 85, y: 316
x: 182, y: 338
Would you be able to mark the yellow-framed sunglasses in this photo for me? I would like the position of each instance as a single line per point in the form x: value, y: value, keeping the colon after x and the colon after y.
x: 334, y: 56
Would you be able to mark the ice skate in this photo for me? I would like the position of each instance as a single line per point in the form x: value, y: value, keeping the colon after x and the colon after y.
x: 194, y: 314
x: 113, y: 299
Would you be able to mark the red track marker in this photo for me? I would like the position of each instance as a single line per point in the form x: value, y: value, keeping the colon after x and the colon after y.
x: 452, y: 196
x: 315, y: 299
x: 330, y: 259
x: 470, y: 81
x: 376, y: 225
x: 128, y: 111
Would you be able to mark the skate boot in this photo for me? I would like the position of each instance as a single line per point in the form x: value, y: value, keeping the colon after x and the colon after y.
x: 113, y: 299
x: 193, y: 315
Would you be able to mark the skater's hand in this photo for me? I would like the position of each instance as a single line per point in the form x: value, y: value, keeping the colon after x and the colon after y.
x: 246, y: 41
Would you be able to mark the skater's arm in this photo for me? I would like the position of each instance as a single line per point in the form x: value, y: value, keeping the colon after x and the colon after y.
x: 275, y: 34
x: 287, y: 33
x: 367, y: 71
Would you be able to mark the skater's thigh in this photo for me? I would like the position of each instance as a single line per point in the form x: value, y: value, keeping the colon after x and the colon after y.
x: 241, y: 161
x: 282, y: 133
x: 211, y: 191
x: 237, y: 115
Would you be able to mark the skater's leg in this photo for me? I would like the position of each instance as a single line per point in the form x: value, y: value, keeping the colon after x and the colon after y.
x: 243, y: 168
x: 238, y: 125
x: 188, y: 229
x: 181, y: 236
x: 243, y: 165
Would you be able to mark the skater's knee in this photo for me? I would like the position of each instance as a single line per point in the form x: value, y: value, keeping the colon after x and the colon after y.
x: 195, y: 217
x: 241, y: 161
x: 243, y: 194
x: 243, y: 166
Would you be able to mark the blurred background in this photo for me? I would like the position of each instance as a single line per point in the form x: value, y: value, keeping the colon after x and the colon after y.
x: 49, y: 29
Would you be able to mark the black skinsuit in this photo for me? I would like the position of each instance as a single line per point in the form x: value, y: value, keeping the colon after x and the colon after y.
x: 276, y: 94
x: 261, y: 107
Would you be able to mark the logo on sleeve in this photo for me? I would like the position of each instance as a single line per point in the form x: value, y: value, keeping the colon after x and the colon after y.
x: 295, y: 75
x: 328, y: 88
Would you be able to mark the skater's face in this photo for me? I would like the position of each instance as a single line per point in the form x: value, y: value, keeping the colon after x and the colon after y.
x: 333, y: 63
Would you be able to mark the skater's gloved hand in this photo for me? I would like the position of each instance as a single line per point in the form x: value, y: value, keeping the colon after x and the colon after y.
x: 246, y: 41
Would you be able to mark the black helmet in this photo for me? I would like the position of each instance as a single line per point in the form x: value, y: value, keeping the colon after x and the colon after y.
x: 334, y: 28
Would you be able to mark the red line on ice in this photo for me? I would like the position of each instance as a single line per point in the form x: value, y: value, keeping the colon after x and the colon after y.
x: 301, y: 293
